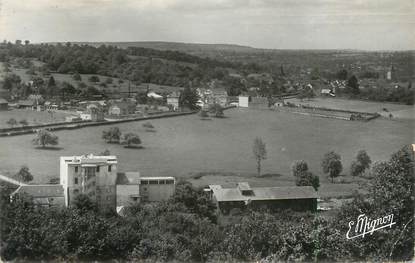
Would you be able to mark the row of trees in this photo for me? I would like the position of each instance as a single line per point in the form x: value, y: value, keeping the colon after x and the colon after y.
x: 331, y: 165
x: 114, y: 135
x: 186, y: 228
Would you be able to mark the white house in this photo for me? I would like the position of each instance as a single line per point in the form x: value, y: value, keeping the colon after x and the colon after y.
x: 243, y: 101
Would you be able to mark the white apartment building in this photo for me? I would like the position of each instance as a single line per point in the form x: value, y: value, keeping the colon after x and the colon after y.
x: 92, y: 175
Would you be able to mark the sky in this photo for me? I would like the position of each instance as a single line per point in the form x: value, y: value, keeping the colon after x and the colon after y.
x: 277, y: 24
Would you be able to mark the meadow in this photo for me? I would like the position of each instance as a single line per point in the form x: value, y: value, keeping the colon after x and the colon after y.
x: 219, y: 149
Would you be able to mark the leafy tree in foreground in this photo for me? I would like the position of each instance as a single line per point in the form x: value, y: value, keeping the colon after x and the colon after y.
x: 390, y: 191
x: 332, y: 164
x: 112, y: 135
x: 12, y: 122
x: 24, y: 175
x: 303, y: 177
x: 44, y: 137
x: 131, y: 139
x: 260, y: 152
x: 84, y: 203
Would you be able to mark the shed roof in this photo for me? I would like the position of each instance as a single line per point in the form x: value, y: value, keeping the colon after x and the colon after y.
x: 46, y: 190
x: 263, y: 193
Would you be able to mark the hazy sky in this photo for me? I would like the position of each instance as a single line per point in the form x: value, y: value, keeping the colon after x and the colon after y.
x: 281, y: 24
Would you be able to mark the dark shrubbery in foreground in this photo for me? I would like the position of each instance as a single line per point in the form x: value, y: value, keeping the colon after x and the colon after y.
x: 186, y: 229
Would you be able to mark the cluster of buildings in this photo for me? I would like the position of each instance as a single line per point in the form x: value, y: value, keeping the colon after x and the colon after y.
x: 109, y: 189
x: 98, y: 178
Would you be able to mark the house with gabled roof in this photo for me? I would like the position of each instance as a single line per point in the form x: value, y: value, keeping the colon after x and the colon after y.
x: 243, y: 196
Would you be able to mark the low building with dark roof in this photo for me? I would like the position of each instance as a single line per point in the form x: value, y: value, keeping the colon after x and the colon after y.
x: 297, y: 198
x: 4, y: 105
x: 43, y: 195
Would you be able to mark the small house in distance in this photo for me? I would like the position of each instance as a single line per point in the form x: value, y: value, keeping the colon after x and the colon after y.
x: 243, y: 196
x: 173, y: 100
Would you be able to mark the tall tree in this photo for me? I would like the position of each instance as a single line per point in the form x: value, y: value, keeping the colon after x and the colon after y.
x: 111, y: 135
x: 361, y: 163
x: 332, y: 165
x: 303, y: 177
x: 45, y: 137
x: 353, y: 85
x: 260, y: 152
x: 23, y: 174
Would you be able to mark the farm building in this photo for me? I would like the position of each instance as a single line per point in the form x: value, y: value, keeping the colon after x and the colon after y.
x: 132, y: 188
x: 42, y: 195
x: 298, y: 198
x: 3, y: 104
x: 173, y: 100
x: 259, y: 103
x: 27, y: 104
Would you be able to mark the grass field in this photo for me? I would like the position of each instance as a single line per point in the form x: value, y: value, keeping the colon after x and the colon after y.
x: 183, y: 146
x: 32, y: 117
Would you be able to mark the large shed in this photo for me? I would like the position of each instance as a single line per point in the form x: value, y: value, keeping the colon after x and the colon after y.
x: 243, y: 196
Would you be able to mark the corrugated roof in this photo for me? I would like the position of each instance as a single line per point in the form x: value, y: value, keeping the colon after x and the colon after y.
x: 47, y: 190
x: 264, y: 193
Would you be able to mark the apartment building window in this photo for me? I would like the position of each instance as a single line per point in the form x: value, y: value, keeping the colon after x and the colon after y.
x: 76, y: 169
x: 97, y: 169
x: 76, y: 180
x: 169, y: 181
x: 109, y: 168
x: 153, y: 182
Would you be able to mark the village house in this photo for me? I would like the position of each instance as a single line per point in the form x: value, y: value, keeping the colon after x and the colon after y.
x: 27, y: 104
x: 42, y: 195
x: 120, y: 108
x: 173, y: 100
x: 243, y: 196
x: 220, y: 96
